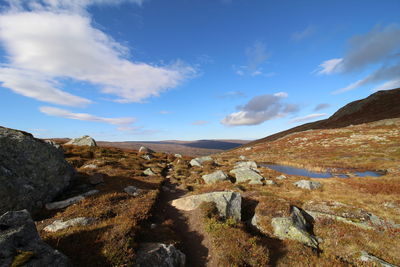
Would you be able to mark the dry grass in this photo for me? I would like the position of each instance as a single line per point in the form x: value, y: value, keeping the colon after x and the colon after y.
x: 111, y: 240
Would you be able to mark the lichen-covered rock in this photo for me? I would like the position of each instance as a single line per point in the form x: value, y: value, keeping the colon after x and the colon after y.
x: 32, y: 172
x: 19, y: 240
x: 214, y: 177
x: 246, y: 164
x: 247, y: 175
x: 85, y: 140
x: 199, y: 161
x: 59, y: 225
x: 278, y: 218
x: 159, y: 255
x: 228, y: 203
x: 306, y: 184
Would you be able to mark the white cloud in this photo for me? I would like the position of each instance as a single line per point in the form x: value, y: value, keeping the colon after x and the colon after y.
x: 122, y: 123
x: 329, y: 66
x: 259, y: 109
x: 322, y: 106
x: 308, y: 117
x: 49, y: 45
x: 388, y: 85
x: 256, y: 55
x: 307, y: 32
x: 200, y: 123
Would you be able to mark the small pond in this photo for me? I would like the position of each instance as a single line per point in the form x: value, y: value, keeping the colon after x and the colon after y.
x: 328, y: 174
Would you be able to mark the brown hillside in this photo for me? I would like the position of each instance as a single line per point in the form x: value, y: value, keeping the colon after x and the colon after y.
x: 378, y: 106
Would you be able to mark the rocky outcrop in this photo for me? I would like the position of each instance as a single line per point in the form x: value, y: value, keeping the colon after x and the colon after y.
x: 20, y: 244
x: 214, y: 177
x: 280, y: 219
x: 347, y: 214
x: 85, y: 140
x: 306, y: 184
x: 247, y: 175
x: 59, y: 225
x: 199, y: 161
x: 32, y: 172
x: 159, y: 255
x: 228, y: 203
x: 70, y: 201
x: 366, y: 257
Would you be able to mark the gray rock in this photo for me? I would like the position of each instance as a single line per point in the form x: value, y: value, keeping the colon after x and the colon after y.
x: 246, y: 164
x: 90, y: 166
x: 70, y: 201
x: 148, y: 172
x: 159, y: 255
x: 241, y: 157
x: 228, y: 203
x: 199, y: 161
x: 147, y: 156
x: 18, y: 235
x: 214, y: 177
x: 306, y: 184
x: 52, y: 143
x: 270, y: 182
x: 85, y: 140
x: 32, y: 172
x: 375, y: 260
x: 178, y: 156
x: 59, y: 225
x: 281, y: 177
x: 296, y: 227
x: 248, y: 148
x: 145, y: 150
x: 132, y: 190
x: 247, y: 175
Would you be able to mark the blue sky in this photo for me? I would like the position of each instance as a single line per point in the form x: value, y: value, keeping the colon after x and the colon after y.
x: 189, y: 69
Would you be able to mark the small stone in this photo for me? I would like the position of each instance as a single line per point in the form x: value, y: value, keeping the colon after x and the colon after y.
x: 132, y: 190
x: 281, y: 177
x: 270, y: 182
x: 90, y: 166
x: 178, y: 156
x: 306, y: 184
x: 148, y: 172
x: 59, y: 225
x: 153, y: 226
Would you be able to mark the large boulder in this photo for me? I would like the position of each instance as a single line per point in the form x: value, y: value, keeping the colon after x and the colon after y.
x: 199, y: 161
x: 159, y: 255
x: 278, y: 218
x: 246, y: 164
x: 228, y: 203
x: 20, y: 244
x: 32, y: 172
x: 247, y: 175
x: 85, y: 140
x: 214, y: 177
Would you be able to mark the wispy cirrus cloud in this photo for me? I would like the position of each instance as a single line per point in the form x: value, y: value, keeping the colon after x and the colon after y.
x: 62, y: 113
x: 260, y: 109
x: 303, y: 34
x: 256, y: 55
x: 200, y: 123
x: 379, y: 48
x: 308, y: 117
x: 321, y: 106
x: 46, y: 41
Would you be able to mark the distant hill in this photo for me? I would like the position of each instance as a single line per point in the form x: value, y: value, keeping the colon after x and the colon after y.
x: 189, y: 148
x: 378, y: 106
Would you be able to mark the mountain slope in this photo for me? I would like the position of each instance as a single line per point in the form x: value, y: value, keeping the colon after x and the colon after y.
x: 378, y: 106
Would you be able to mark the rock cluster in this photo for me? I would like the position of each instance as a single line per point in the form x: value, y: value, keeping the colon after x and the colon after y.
x: 32, y: 172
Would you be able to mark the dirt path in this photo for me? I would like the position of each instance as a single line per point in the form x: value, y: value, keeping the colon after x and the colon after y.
x: 186, y: 225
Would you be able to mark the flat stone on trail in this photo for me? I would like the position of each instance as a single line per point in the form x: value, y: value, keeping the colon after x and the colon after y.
x: 214, y: 177
x: 228, y: 203
x: 59, y: 225
x: 247, y: 175
x: 68, y: 202
x: 306, y: 184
